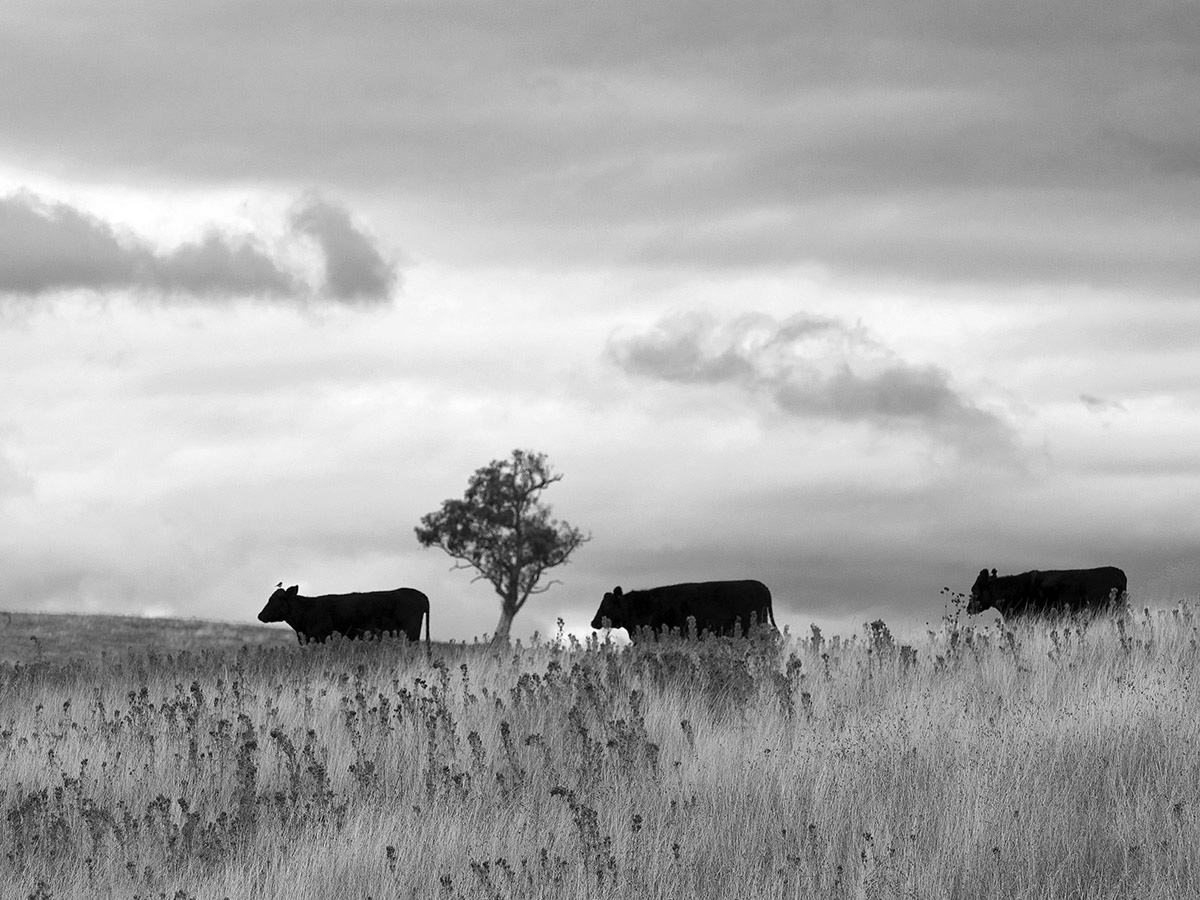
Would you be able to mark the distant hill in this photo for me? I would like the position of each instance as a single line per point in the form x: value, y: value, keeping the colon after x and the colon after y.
x: 61, y: 637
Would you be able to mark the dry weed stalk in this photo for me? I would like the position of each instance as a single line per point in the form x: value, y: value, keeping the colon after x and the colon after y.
x: 1041, y: 759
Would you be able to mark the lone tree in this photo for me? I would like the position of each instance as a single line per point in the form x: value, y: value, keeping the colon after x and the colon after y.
x: 500, y: 529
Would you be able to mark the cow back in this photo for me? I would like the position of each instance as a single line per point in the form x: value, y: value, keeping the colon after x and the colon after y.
x: 719, y: 607
x: 1059, y: 590
x: 365, y: 614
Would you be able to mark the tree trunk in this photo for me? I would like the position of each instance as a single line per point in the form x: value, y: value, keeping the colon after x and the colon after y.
x: 503, y: 626
x: 509, y: 607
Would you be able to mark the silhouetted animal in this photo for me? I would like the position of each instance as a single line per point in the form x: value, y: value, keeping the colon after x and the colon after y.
x: 717, y: 606
x: 1062, y: 590
x: 352, y: 615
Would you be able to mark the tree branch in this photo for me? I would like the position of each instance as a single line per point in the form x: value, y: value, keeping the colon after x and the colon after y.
x: 500, y: 529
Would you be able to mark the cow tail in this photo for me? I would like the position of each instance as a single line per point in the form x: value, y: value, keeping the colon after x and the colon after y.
x: 428, y: 646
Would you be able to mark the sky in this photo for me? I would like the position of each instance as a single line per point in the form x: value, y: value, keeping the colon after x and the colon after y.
x: 853, y: 298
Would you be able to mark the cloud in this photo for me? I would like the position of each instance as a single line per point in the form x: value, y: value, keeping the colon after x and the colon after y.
x: 950, y: 141
x: 48, y: 246
x: 220, y: 265
x: 683, y: 349
x: 1099, y: 404
x: 354, y: 268
x: 810, y: 367
x: 13, y: 483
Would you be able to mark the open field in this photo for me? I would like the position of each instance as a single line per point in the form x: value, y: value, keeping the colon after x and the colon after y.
x: 45, y: 637
x: 1053, y: 760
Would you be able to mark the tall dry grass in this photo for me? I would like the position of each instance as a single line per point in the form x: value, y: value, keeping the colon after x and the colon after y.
x: 1051, y: 760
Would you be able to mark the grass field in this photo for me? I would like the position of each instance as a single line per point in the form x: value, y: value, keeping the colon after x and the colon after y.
x: 43, y: 637
x: 1053, y: 760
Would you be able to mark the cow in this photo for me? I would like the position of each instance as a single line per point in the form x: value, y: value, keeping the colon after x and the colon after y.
x: 1061, y: 590
x: 719, y: 607
x: 352, y: 615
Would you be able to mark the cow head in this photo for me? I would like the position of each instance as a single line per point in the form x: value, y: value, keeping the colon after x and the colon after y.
x: 279, y: 605
x: 612, y: 608
x: 981, y: 592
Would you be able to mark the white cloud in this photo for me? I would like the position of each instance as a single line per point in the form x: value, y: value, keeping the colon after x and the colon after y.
x: 193, y: 457
x: 13, y: 483
x: 989, y: 213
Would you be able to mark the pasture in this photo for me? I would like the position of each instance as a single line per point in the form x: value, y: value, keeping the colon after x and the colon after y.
x: 1046, y: 760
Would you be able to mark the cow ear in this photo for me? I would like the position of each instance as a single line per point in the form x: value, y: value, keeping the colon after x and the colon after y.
x: 983, y: 574
x: 293, y: 589
x: 616, y: 592
x: 993, y: 573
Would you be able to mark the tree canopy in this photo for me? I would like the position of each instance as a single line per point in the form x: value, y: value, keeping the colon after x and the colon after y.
x: 501, y: 529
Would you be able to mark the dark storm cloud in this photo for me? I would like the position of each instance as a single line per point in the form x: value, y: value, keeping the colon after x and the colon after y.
x: 810, y: 367
x: 47, y: 247
x: 1015, y: 142
x: 354, y: 268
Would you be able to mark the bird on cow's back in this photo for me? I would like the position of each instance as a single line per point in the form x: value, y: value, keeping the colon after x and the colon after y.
x: 355, y: 615
x: 1051, y: 591
x: 718, y: 607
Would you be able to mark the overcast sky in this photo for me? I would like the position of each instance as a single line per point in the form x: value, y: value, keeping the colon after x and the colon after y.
x: 853, y: 298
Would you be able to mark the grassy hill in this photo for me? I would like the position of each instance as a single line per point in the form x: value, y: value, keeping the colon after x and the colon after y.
x: 60, y: 638
x: 1044, y: 760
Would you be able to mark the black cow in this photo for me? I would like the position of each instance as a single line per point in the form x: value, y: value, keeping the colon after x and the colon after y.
x: 352, y: 615
x: 1062, y: 590
x: 717, y: 606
